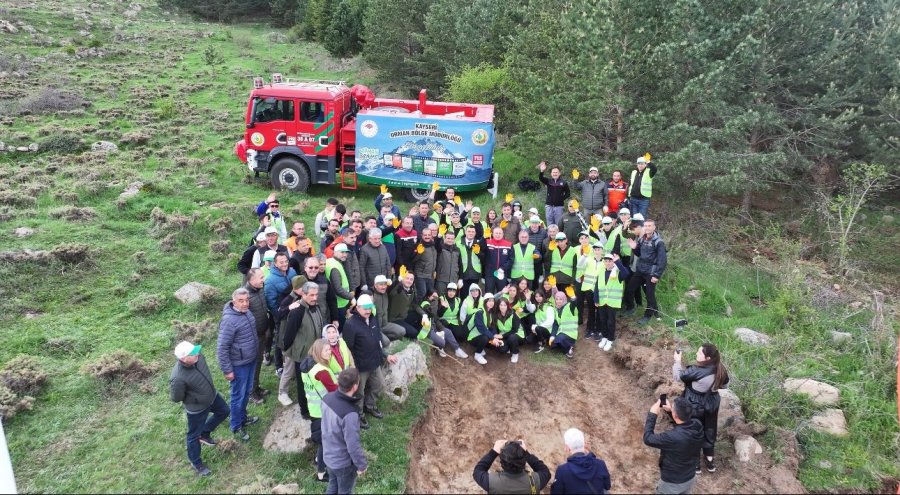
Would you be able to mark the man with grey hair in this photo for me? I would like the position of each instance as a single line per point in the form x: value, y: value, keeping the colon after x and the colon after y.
x: 582, y: 472
x: 236, y: 350
x: 260, y: 312
x: 303, y: 326
x: 374, y: 259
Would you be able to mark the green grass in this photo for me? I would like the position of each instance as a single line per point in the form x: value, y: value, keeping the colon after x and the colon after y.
x: 84, y: 437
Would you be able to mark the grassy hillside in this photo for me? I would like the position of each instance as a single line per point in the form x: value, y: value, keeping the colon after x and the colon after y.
x: 171, y: 93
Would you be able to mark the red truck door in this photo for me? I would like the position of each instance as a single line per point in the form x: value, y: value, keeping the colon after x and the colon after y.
x: 274, y: 121
x: 316, y: 128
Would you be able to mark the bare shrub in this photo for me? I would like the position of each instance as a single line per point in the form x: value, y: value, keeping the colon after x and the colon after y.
x: 11, y: 404
x: 23, y: 375
x: 222, y: 226
x: 220, y: 247
x: 73, y: 254
x: 73, y: 213
x: 120, y: 365
x: 147, y: 303
x: 192, y: 332
x: 50, y: 100
x: 62, y: 143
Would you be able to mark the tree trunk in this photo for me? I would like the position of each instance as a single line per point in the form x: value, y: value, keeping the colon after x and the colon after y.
x: 746, y: 202
x: 620, y: 128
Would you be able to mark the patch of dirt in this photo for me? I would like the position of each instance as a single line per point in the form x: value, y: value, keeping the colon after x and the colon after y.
x: 605, y: 395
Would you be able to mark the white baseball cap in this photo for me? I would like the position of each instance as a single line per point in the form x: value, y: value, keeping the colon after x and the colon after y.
x: 476, y: 210
x: 271, y: 230
x: 641, y: 160
x: 451, y: 286
x: 638, y: 217
x: 381, y: 279
x: 387, y: 196
x: 533, y: 211
x: 261, y: 236
x: 535, y: 219
x: 593, y: 169
x: 341, y: 248
x: 185, y: 349
x: 365, y: 301
x: 607, y: 220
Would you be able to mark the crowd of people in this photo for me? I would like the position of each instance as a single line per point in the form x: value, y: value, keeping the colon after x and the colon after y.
x: 322, y: 304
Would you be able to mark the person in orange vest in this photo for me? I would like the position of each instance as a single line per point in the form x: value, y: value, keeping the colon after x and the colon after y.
x: 617, y: 189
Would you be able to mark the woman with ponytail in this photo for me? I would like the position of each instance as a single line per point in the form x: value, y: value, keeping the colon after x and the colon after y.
x: 702, y: 382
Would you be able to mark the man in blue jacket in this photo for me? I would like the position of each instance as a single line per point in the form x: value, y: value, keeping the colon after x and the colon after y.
x: 236, y: 350
x: 582, y: 471
x: 278, y: 282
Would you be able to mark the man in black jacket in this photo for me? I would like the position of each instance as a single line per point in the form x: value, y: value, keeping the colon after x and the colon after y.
x: 260, y: 312
x: 557, y: 193
x: 652, y: 261
x: 246, y: 261
x: 191, y: 384
x: 679, y: 447
x: 513, y: 478
x: 363, y: 337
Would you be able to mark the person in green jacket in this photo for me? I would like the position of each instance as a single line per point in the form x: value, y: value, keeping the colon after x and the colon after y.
x: 191, y: 384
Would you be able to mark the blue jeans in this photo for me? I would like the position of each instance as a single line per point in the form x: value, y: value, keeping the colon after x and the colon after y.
x: 554, y: 214
x: 563, y: 341
x: 241, y: 387
x: 201, y: 424
x: 641, y: 206
x: 342, y: 480
x: 424, y: 287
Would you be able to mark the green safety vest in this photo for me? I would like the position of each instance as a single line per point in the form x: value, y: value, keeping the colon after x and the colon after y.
x: 582, y: 263
x: 563, y: 263
x: 470, y: 324
x: 519, y: 308
x: 626, y: 249
x: 451, y: 315
x: 315, y: 390
x: 333, y: 364
x: 548, y: 310
x: 591, y: 272
x: 424, y: 331
x: 471, y: 306
x: 523, y: 262
x: 646, y: 183
x: 332, y: 264
x: 610, y: 240
x: 568, y: 321
x: 466, y: 254
x: 609, y: 292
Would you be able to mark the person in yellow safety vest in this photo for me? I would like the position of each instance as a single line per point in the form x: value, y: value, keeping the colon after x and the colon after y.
x: 337, y: 278
x: 471, y: 256
x: 479, y: 333
x: 565, y: 326
x: 506, y: 323
x: 584, y: 253
x: 433, y: 328
x: 524, y: 257
x: 561, y: 261
x: 608, y: 297
x: 449, y: 313
x: 341, y: 358
x: 588, y: 284
x: 318, y: 380
x: 640, y: 189
x: 613, y: 242
x: 481, y: 227
x: 471, y: 303
x: 544, y: 316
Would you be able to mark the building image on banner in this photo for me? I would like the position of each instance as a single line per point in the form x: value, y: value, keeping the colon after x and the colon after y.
x: 398, y: 149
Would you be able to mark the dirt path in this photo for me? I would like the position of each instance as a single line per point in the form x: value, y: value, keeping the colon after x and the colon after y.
x: 537, y: 400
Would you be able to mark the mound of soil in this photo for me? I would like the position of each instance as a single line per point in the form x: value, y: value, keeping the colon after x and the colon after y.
x: 604, y: 394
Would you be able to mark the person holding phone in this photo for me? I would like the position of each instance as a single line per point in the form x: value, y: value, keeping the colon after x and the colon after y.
x: 702, y: 382
x: 513, y: 478
x: 678, y: 447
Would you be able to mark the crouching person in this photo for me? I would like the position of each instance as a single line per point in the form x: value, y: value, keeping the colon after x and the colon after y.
x: 565, y: 326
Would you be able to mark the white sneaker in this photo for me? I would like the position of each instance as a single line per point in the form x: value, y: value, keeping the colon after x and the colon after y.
x: 479, y: 358
x: 514, y: 359
x: 603, y: 342
x: 461, y: 353
x: 608, y: 345
x: 285, y: 400
x: 441, y: 353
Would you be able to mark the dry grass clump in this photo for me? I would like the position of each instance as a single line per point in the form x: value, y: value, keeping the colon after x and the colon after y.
x: 164, y: 223
x: 220, y: 248
x: 73, y: 254
x: 120, y: 365
x: 147, y: 303
x: 222, y: 226
x: 192, y: 332
x: 74, y: 213
x: 11, y: 404
x: 23, y: 375
x: 15, y: 198
x: 50, y: 100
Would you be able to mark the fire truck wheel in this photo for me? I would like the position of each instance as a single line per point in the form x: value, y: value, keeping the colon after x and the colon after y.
x: 414, y: 195
x: 290, y: 174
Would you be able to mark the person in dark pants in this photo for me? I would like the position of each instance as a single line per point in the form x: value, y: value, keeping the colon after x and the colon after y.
x: 701, y: 388
x: 641, y: 187
x: 652, y: 260
x: 679, y: 447
x: 191, y: 384
x: 582, y: 471
x: 345, y: 459
x: 236, y: 350
x: 608, y: 297
x: 557, y: 193
x: 513, y: 478
x: 260, y: 312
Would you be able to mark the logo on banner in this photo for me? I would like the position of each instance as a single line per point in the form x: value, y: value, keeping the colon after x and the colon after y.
x: 479, y: 137
x: 369, y: 128
x: 478, y: 160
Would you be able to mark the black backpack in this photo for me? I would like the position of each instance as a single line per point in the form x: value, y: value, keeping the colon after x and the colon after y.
x: 526, y: 184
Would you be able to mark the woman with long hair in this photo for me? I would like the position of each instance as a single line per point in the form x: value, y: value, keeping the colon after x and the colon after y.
x: 702, y: 382
x: 507, y: 324
x: 478, y: 324
x: 318, y: 380
x: 544, y: 316
x: 491, y: 216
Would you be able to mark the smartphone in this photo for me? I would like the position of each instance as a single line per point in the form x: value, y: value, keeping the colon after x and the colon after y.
x: 680, y: 323
x: 662, y: 399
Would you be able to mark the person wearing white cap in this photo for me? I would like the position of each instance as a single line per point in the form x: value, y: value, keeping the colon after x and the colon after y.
x: 561, y: 262
x: 386, y: 199
x: 364, y: 339
x: 451, y: 307
x: 482, y: 229
x: 610, y: 290
x: 191, y: 383
x: 622, y: 229
x: 381, y: 297
x: 336, y: 274
x: 613, y: 243
x: 641, y: 188
x: 537, y: 234
x: 246, y: 262
x: 593, y: 193
x: 271, y: 244
x: 593, y: 266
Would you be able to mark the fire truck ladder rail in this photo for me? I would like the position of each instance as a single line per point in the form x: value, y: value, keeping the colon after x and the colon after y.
x: 348, y: 171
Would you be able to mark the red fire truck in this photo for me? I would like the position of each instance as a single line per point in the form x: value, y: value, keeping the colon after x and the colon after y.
x: 324, y: 132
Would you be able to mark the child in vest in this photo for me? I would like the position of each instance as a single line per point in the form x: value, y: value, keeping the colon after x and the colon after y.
x: 318, y: 380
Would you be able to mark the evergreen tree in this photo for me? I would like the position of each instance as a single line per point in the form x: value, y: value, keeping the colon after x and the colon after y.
x: 391, y: 32
x: 342, y: 38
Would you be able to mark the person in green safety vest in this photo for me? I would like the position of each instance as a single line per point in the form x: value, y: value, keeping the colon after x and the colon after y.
x: 339, y: 282
x: 544, y: 316
x: 471, y: 303
x: 480, y: 334
x: 584, y: 254
x: 481, y: 227
x: 565, y: 326
x: 435, y: 330
x: 450, y: 307
x: 318, y: 380
x: 471, y: 256
x: 588, y: 283
x: 613, y: 241
x: 608, y: 294
x: 524, y: 257
x: 560, y: 261
x: 519, y: 296
x: 507, y: 324
x: 341, y: 358
x: 640, y: 189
